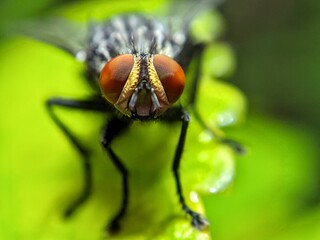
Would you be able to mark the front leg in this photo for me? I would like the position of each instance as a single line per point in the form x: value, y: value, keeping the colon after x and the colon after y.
x: 192, y: 100
x: 72, y: 104
x: 112, y: 130
x: 178, y: 114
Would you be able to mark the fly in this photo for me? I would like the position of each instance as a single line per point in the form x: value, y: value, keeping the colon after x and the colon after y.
x: 137, y: 66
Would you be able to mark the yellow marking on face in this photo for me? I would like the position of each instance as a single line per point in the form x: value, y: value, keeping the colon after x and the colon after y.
x: 129, y: 87
x: 156, y: 83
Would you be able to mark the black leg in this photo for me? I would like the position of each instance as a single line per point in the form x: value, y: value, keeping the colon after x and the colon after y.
x: 113, y: 129
x: 93, y: 105
x: 178, y: 114
x: 189, y: 51
x: 193, y: 97
x: 196, y: 78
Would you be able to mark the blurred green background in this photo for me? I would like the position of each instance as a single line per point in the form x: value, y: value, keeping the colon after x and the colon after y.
x: 276, y: 193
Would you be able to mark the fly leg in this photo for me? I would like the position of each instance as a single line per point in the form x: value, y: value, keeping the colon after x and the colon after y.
x: 198, y: 50
x: 113, y: 129
x: 91, y: 105
x: 178, y: 114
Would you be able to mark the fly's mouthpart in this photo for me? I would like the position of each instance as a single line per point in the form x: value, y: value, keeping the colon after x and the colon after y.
x: 144, y: 85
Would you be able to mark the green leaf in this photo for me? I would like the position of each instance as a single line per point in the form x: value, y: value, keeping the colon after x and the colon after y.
x: 40, y: 170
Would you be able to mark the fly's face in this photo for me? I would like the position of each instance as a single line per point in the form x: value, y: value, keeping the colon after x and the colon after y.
x: 142, y: 86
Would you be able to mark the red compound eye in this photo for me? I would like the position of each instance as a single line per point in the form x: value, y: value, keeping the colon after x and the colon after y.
x: 114, y: 75
x: 171, y: 76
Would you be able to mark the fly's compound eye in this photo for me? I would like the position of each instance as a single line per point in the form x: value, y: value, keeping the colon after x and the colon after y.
x: 171, y: 76
x: 114, y: 75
